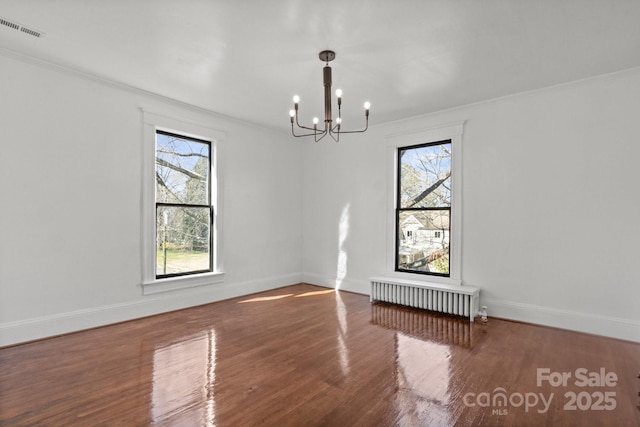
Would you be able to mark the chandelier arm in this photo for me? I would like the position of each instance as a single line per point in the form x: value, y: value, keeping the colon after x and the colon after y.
x: 323, y: 135
x: 301, y: 126
x: 306, y: 127
x: 355, y: 131
x: 304, y: 134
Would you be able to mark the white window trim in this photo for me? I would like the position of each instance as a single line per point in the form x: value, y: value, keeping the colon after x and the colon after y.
x: 151, y: 123
x: 452, y: 131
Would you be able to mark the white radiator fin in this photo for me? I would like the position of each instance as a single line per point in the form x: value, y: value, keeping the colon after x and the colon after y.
x: 459, y: 300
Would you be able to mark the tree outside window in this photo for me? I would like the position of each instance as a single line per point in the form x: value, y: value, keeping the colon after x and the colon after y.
x: 183, y: 205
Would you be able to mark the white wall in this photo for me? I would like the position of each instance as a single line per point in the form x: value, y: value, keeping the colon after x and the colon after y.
x: 550, y: 205
x: 70, y: 194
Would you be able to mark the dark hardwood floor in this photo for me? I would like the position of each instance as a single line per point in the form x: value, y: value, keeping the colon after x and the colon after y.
x: 308, y: 356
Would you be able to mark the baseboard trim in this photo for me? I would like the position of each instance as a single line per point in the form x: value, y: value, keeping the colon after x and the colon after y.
x: 16, y: 332
x: 596, y: 324
x: 357, y: 286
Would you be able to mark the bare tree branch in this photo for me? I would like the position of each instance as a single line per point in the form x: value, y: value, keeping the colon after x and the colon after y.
x: 429, y: 190
x: 189, y: 173
x: 160, y: 181
x: 437, y: 254
x: 177, y: 153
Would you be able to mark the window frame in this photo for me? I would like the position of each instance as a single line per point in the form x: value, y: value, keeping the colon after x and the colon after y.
x: 454, y: 132
x: 207, y: 205
x: 152, y: 123
x: 399, y: 210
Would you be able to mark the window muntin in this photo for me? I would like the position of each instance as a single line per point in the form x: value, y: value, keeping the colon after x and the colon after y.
x: 183, y: 205
x: 423, y: 209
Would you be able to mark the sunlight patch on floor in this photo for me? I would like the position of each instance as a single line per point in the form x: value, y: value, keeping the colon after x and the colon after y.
x: 269, y: 298
x: 308, y: 294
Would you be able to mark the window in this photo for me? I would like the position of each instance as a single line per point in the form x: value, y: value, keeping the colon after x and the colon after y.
x: 424, y: 216
x: 182, y: 199
x: 183, y: 205
x: 423, y: 208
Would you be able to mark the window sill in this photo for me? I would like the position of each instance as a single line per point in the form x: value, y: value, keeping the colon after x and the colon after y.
x: 426, y: 278
x: 169, y: 284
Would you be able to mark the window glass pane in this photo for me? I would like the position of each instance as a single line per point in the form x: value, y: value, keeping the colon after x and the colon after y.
x: 182, y: 170
x: 182, y: 240
x: 425, y: 176
x: 424, y: 241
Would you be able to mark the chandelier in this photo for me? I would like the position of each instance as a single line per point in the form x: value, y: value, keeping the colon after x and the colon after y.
x: 334, y: 130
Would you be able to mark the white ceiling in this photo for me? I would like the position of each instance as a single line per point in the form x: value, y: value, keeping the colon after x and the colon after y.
x: 247, y: 58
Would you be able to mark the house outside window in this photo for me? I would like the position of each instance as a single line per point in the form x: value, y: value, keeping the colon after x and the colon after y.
x: 423, y: 208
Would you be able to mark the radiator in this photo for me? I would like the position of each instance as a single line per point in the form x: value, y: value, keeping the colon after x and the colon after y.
x: 450, y: 299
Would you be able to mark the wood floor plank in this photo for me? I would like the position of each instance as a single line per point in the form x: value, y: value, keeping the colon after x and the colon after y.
x: 305, y: 355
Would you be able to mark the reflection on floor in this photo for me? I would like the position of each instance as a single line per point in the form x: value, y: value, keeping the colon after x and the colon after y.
x: 423, y: 325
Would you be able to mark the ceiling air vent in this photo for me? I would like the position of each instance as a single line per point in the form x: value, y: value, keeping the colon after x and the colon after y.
x: 30, y: 31
x: 9, y: 24
x: 14, y: 25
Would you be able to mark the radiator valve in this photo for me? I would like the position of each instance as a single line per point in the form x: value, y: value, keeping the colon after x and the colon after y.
x: 483, y: 314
